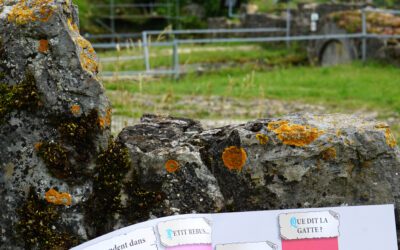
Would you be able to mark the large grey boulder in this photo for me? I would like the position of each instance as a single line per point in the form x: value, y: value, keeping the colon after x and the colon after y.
x: 54, y: 120
x: 288, y: 162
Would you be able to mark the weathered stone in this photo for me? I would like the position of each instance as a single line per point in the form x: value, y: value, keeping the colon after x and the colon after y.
x: 289, y: 162
x: 54, y: 119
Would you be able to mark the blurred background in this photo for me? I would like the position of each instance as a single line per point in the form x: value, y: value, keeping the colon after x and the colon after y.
x: 229, y: 61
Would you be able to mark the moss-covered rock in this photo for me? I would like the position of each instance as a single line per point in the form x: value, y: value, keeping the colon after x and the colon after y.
x: 39, y: 225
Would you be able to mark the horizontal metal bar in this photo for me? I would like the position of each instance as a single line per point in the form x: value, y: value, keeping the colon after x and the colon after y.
x: 135, y: 16
x: 131, y: 73
x: 133, y: 5
x: 247, y: 39
x: 382, y: 11
x: 121, y: 58
x: 383, y: 36
x: 116, y: 35
x: 270, y: 39
x: 211, y: 31
x: 128, y: 45
x: 179, y: 32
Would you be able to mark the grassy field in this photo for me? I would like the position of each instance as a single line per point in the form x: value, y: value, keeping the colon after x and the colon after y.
x: 161, y: 57
x: 373, y: 86
x: 345, y: 88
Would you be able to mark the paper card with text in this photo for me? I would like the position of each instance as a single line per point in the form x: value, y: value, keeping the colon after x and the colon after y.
x: 247, y: 246
x: 309, y: 231
x: 141, y: 239
x: 185, y: 234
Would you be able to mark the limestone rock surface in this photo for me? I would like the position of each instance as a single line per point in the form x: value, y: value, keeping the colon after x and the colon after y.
x: 54, y: 120
x: 289, y: 162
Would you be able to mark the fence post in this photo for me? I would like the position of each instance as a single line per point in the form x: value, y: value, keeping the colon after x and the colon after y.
x: 146, y: 51
x: 288, y: 24
x: 364, y: 35
x: 176, y: 59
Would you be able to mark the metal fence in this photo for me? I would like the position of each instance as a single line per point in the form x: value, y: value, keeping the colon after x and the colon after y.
x: 175, y: 41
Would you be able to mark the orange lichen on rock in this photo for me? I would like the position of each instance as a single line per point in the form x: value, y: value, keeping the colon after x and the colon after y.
x: 52, y: 196
x: 105, y: 121
x: 75, y: 109
x: 87, y: 55
x: 43, y: 46
x: 38, y: 145
x: 72, y: 26
x: 329, y: 154
x: 263, y: 139
x: 294, y: 134
x: 234, y: 158
x: 30, y: 11
x: 171, y: 166
x: 390, y: 139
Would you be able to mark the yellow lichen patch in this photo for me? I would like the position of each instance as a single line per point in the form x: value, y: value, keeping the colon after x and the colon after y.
x: 72, y: 26
x: 263, y: 139
x: 87, y: 55
x: 30, y: 11
x: 105, y: 121
x: 329, y: 154
x: 43, y: 46
x: 234, y: 158
x: 294, y: 134
x: 52, y: 196
x: 390, y: 139
x: 274, y: 125
x: 75, y: 109
x: 171, y: 166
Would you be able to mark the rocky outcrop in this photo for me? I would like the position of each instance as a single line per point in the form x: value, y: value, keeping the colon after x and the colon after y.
x: 54, y: 120
x: 288, y: 162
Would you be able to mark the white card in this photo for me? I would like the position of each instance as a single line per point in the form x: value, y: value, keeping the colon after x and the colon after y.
x: 247, y: 246
x: 141, y: 239
x: 312, y: 225
x: 185, y: 232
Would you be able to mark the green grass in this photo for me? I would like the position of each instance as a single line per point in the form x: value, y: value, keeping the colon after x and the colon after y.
x: 345, y: 88
x: 162, y: 58
x: 371, y: 86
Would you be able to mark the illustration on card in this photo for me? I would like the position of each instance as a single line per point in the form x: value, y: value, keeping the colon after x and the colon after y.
x: 185, y: 234
x: 311, y: 231
x: 265, y: 245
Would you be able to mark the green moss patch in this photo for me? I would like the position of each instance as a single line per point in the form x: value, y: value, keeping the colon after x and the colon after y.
x: 80, y: 133
x: 21, y: 96
x: 38, y: 226
x: 55, y: 156
x: 112, y: 166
